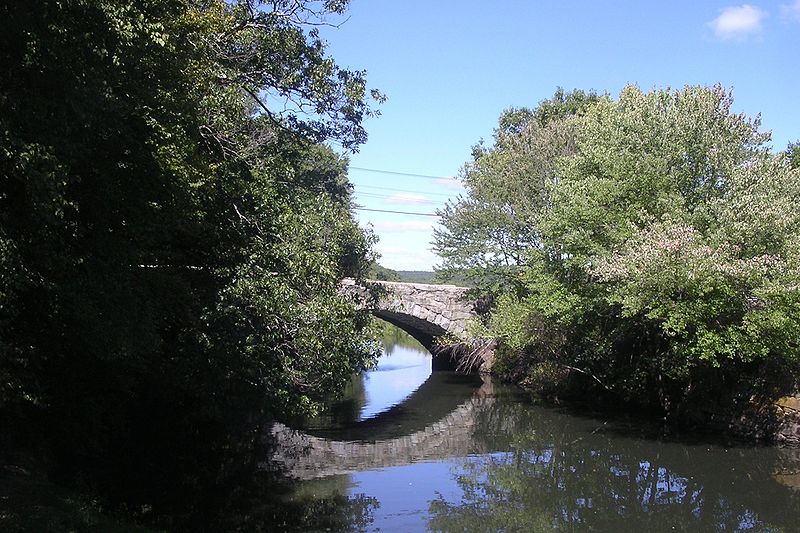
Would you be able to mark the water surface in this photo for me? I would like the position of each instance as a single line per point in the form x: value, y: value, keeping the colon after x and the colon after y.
x: 417, y: 450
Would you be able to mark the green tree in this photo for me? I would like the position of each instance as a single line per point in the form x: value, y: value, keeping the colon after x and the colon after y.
x: 172, y: 232
x: 486, y: 235
x: 664, y: 262
x: 793, y: 152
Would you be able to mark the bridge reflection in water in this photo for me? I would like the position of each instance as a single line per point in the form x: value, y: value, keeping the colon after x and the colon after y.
x: 472, y: 456
x: 434, y: 421
x: 404, y: 434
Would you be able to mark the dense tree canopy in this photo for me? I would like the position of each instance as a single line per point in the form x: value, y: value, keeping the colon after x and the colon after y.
x: 487, y: 234
x: 650, y: 242
x: 172, y: 230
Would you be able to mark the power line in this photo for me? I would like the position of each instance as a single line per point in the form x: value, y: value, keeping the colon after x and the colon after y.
x: 427, y: 176
x: 427, y: 201
x: 396, y: 212
x: 403, y: 190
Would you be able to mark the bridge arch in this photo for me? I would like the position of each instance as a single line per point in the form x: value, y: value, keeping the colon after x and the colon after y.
x: 424, y: 311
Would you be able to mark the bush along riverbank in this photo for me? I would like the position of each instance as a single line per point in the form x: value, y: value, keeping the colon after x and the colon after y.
x: 747, y: 415
x: 643, y: 249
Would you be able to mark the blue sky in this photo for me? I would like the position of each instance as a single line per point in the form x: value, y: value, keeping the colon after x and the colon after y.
x: 450, y: 68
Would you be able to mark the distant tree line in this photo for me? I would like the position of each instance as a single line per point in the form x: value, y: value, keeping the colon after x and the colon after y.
x: 379, y: 272
x: 382, y: 273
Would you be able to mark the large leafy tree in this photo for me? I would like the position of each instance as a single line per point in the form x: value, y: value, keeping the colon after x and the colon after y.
x: 662, y: 257
x: 486, y: 234
x: 172, y: 232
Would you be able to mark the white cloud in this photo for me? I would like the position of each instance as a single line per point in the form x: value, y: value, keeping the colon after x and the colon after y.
x: 791, y: 11
x: 397, y: 250
x: 451, y: 183
x: 738, y: 22
x: 408, y: 199
x: 420, y: 260
x: 406, y: 225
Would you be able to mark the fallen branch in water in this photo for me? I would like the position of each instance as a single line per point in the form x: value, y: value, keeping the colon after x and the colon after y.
x: 576, y: 369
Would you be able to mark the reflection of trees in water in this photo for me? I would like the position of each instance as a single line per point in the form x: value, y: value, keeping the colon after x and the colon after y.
x: 393, y: 336
x: 262, y: 504
x: 345, y: 408
x: 262, y: 500
x: 336, y: 512
x: 343, y: 411
x: 565, y: 472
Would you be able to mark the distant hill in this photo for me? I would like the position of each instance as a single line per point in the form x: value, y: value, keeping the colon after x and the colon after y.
x: 381, y: 273
x: 417, y: 276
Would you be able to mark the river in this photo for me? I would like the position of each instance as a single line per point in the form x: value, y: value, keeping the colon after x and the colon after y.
x: 409, y: 449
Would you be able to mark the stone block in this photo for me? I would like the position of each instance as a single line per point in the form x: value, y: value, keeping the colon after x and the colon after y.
x: 789, y: 402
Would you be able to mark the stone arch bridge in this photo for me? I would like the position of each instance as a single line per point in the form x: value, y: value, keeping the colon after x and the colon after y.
x: 427, y: 313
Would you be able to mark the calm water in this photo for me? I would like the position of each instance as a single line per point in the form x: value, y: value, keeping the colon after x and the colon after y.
x: 415, y: 450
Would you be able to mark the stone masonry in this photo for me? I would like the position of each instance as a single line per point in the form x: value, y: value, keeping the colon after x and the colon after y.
x: 425, y: 311
x: 304, y: 456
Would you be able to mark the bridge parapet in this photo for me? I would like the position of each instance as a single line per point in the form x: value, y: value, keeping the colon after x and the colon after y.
x: 431, y: 309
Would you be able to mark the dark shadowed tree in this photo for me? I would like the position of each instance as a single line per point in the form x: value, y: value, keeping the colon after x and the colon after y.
x: 172, y: 231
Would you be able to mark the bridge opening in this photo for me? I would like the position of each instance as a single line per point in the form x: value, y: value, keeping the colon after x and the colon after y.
x: 401, y: 396
x: 424, y: 311
x: 425, y: 332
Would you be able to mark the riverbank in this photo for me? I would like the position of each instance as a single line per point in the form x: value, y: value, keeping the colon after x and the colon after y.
x: 29, y: 501
x: 773, y: 421
x: 748, y: 415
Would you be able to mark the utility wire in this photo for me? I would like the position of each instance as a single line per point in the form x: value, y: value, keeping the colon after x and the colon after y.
x: 389, y: 197
x: 402, y: 190
x: 396, y: 212
x: 402, y: 173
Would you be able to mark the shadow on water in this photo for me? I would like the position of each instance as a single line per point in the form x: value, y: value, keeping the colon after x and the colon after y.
x: 525, y: 467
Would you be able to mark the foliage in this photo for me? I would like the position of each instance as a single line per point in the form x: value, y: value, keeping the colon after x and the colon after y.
x: 487, y: 234
x: 793, y: 152
x: 381, y: 273
x: 172, y: 232
x: 430, y: 277
x: 660, y: 251
x: 392, y: 337
x: 30, y: 502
